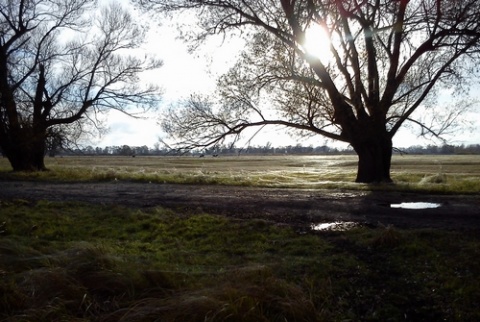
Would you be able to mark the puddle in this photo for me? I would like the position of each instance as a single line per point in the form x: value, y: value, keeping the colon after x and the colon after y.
x: 416, y: 205
x: 335, y: 226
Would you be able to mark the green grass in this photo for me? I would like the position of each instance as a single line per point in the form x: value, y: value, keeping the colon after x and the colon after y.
x: 79, y: 262
x: 432, y: 174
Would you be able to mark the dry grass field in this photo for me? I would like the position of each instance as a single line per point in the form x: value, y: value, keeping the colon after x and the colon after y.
x: 433, y: 173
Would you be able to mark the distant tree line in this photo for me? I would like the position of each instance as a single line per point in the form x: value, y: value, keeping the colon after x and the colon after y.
x: 268, y: 149
x: 443, y: 149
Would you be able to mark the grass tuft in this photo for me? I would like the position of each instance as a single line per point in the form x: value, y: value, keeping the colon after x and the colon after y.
x: 387, y: 237
x: 439, y: 178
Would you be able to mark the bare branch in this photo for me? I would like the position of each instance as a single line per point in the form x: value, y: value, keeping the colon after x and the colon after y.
x: 388, y: 59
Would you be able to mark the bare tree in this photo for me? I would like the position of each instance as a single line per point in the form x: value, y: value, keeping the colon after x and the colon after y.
x: 64, y: 62
x: 387, y: 59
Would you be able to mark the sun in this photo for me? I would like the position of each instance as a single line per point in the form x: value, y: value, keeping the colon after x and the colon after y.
x: 317, y: 42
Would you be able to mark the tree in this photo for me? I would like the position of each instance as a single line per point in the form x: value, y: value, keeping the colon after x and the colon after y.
x: 62, y: 62
x: 387, y: 60
x: 55, y: 139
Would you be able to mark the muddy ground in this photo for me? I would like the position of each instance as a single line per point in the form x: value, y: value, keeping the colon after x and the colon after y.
x: 300, y: 208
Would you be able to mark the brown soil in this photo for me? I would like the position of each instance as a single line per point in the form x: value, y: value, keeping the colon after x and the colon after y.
x: 297, y: 207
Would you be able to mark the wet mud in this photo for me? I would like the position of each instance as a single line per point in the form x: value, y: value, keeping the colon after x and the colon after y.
x: 296, y: 207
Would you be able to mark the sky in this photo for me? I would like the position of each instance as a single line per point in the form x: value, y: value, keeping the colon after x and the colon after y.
x: 183, y: 74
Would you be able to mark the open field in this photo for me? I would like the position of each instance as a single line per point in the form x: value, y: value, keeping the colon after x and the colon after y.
x: 431, y: 173
x: 133, y: 251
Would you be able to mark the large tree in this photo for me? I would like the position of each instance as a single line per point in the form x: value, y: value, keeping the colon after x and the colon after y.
x: 386, y: 59
x: 62, y: 62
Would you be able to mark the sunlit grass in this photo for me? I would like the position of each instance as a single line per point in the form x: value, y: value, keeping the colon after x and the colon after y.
x: 78, y: 262
x: 442, y: 174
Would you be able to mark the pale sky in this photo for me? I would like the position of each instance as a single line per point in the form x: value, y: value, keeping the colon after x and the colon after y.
x: 183, y: 74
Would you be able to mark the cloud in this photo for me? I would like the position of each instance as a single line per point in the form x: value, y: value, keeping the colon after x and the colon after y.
x: 125, y: 130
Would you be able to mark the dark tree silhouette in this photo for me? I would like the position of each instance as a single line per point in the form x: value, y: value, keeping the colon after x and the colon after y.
x: 388, y: 59
x: 64, y: 62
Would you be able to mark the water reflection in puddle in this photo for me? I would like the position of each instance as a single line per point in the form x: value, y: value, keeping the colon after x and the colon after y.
x: 416, y: 205
x: 335, y: 226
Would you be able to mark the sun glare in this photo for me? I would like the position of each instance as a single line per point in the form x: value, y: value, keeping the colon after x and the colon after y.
x: 317, y: 43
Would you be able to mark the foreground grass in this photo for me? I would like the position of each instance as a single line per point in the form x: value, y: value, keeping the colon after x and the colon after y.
x: 78, y: 262
x: 457, y: 174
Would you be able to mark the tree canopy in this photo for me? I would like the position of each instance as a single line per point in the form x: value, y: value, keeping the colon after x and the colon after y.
x: 387, y: 59
x: 64, y: 62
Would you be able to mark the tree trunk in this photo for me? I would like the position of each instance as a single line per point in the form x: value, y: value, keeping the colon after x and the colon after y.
x: 26, y: 150
x: 374, y: 159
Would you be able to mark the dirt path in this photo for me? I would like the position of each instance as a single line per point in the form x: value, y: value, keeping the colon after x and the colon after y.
x: 290, y: 206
